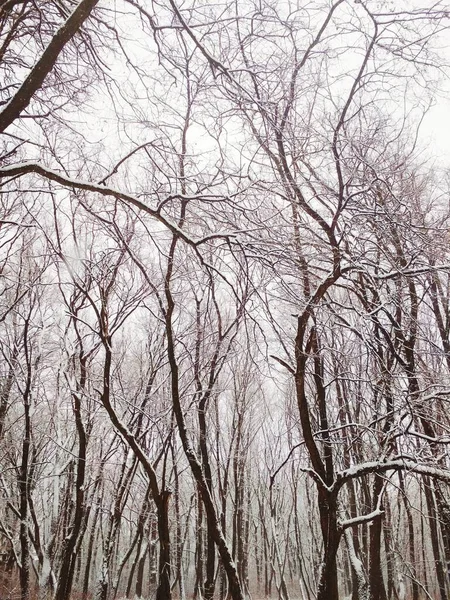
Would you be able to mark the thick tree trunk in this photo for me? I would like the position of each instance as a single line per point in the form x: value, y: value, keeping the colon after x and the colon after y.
x: 331, y: 535
x: 376, y: 581
x: 164, y: 590
x: 388, y: 546
x: 360, y: 588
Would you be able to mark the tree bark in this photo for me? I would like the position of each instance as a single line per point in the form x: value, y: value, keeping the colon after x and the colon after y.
x: 45, y: 64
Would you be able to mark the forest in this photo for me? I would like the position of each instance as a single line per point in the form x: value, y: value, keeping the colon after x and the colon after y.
x: 224, y: 300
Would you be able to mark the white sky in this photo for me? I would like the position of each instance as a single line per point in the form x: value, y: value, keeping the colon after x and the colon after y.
x: 435, y: 132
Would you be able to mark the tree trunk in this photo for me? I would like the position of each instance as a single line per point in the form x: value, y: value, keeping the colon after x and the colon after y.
x: 66, y: 573
x: 164, y: 590
x: 376, y: 582
x: 214, y: 528
x: 328, y: 580
x: 90, y: 552
x: 23, y: 488
x: 439, y: 563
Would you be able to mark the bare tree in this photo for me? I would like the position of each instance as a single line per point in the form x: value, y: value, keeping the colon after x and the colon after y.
x: 224, y: 284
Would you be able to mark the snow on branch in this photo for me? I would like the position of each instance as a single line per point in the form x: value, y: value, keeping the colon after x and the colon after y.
x: 343, y: 525
x: 17, y: 170
x: 391, y: 465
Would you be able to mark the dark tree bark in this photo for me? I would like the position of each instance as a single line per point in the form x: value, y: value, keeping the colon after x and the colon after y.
x: 327, y: 501
x: 164, y: 569
x: 68, y: 561
x: 45, y: 64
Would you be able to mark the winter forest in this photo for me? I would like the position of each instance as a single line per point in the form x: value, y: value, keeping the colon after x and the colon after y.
x: 224, y: 300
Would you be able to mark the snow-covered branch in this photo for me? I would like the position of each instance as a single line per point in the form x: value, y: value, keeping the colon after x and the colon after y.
x: 343, y: 525
x: 391, y: 465
x: 18, y: 170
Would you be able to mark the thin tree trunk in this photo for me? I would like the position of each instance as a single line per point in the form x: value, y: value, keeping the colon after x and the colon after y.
x: 411, y: 539
x: 23, y: 490
x: 376, y: 581
x: 89, y: 555
x: 214, y: 528
x: 67, y: 569
x: 160, y: 497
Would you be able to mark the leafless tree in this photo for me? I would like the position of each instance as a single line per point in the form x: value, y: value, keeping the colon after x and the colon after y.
x: 224, y: 284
